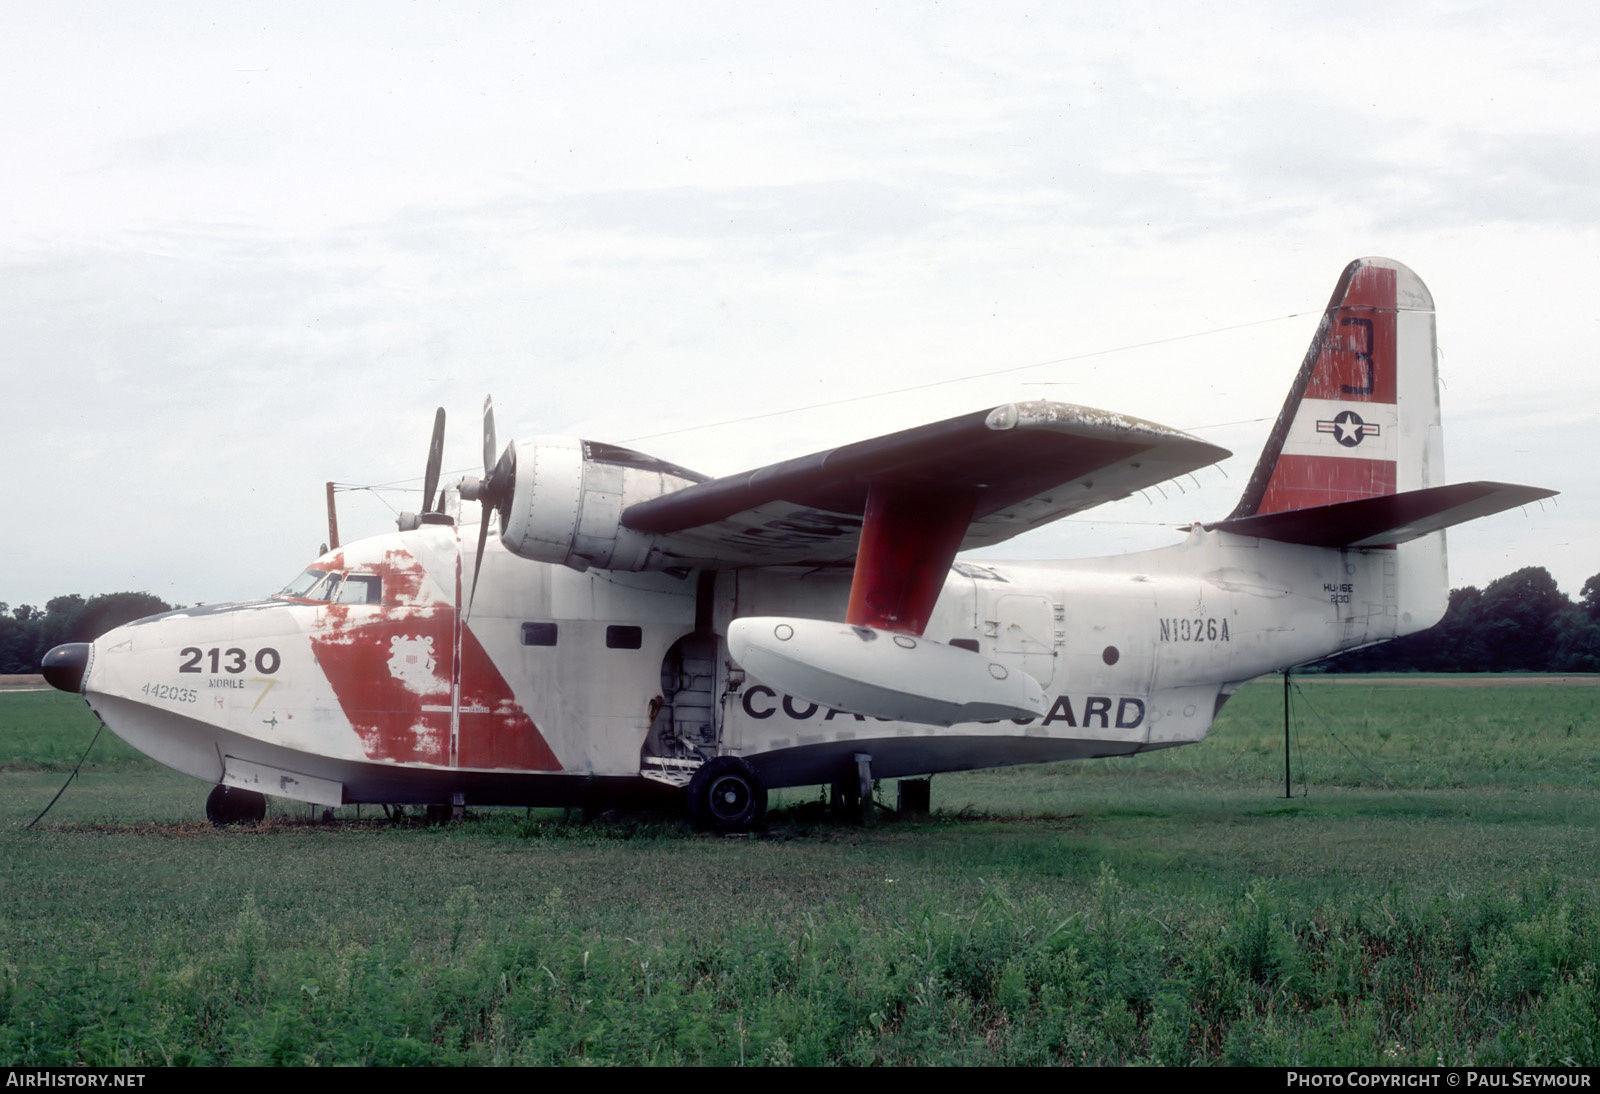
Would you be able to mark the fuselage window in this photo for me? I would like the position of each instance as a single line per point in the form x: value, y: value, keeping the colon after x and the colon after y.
x: 624, y: 638
x: 361, y: 589
x: 965, y: 644
x: 538, y: 634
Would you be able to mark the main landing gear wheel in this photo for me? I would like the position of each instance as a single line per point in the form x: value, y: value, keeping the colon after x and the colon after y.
x: 726, y: 796
x: 227, y: 805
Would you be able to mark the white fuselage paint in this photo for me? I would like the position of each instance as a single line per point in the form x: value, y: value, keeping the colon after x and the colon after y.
x: 1132, y: 653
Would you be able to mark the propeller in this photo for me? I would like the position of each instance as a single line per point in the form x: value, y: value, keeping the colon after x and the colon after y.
x: 488, y: 439
x: 430, y: 481
x: 494, y: 491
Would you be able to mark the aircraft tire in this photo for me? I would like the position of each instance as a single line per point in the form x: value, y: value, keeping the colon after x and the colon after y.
x: 726, y: 796
x: 227, y: 805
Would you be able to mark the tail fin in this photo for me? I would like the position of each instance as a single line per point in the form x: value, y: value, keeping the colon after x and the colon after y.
x: 1362, y: 418
x: 1356, y: 457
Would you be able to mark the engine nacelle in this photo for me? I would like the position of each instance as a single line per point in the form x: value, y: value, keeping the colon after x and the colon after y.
x: 569, y: 494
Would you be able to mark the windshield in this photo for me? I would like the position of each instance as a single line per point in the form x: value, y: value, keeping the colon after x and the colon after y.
x: 302, y: 584
x: 335, y: 588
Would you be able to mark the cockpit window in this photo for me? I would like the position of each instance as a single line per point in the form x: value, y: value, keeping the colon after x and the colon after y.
x: 361, y: 589
x: 300, y: 586
x: 334, y: 588
x: 326, y: 589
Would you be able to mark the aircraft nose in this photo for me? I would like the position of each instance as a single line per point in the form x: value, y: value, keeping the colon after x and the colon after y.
x: 63, y: 667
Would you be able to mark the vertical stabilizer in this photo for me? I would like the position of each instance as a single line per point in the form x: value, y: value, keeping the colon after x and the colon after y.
x: 1362, y: 418
x: 1362, y: 421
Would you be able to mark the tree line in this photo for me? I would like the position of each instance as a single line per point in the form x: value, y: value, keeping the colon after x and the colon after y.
x: 27, y: 633
x: 1518, y: 623
x: 1521, y: 622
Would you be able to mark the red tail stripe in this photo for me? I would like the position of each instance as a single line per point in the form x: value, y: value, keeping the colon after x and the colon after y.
x: 1356, y: 361
x: 1302, y: 482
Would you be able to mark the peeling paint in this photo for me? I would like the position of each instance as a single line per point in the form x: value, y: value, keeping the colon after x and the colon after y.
x: 392, y: 672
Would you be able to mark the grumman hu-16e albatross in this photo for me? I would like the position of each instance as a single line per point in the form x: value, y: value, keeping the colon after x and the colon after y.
x: 635, y: 625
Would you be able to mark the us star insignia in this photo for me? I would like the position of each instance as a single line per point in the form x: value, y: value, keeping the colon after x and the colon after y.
x: 1348, y: 428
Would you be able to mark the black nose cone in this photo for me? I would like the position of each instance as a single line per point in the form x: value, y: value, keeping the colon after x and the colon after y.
x: 63, y: 666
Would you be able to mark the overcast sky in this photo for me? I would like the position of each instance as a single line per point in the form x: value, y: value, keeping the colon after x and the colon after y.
x: 249, y: 248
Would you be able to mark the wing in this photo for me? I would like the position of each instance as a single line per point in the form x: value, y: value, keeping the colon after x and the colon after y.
x: 1023, y: 465
x: 902, y: 505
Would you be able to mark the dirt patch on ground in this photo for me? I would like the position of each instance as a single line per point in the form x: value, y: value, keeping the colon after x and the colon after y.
x: 1465, y: 680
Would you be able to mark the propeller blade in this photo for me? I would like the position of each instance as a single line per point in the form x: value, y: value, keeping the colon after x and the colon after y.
x: 430, y: 482
x: 477, y: 567
x: 488, y: 436
x: 493, y: 494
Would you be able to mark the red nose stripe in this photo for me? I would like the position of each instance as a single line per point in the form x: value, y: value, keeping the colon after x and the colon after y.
x: 391, y: 674
x: 495, y: 731
x: 392, y: 679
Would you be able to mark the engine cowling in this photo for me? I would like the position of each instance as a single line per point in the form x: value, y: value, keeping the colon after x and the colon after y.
x: 567, y: 502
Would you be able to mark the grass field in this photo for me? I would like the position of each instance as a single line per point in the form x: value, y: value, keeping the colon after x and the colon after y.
x: 1428, y: 896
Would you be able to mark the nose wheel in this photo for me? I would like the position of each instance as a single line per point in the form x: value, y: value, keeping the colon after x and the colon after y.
x: 227, y: 805
x: 726, y: 796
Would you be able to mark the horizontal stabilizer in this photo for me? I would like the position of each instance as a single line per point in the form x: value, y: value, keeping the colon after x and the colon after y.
x: 1387, y: 520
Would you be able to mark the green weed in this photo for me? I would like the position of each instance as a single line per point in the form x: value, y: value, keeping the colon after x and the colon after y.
x: 1169, y: 909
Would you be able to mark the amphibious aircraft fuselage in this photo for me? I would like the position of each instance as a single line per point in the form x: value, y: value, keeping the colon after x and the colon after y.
x: 634, y: 626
